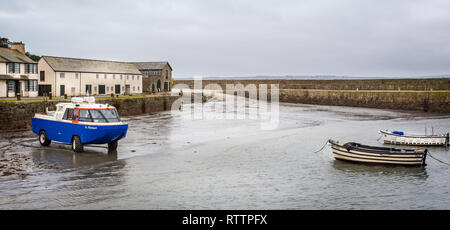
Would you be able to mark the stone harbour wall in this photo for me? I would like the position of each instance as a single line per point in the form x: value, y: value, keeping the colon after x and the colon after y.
x: 426, y: 84
x: 401, y: 100
x: 17, y: 115
x: 431, y: 95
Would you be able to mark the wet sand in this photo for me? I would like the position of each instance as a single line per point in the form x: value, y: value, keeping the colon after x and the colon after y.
x: 168, y: 162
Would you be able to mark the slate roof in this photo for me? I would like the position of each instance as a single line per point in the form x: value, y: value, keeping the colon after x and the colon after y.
x: 151, y: 65
x: 11, y: 55
x: 63, y: 64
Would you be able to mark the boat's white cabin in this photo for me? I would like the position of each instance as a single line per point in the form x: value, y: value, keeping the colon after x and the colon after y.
x: 83, y: 110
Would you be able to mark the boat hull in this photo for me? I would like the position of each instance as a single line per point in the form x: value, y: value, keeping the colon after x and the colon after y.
x: 89, y: 133
x: 342, y: 151
x: 396, y: 139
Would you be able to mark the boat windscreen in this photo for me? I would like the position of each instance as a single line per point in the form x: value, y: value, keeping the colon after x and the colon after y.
x: 111, y: 115
x: 104, y: 115
x: 85, y: 115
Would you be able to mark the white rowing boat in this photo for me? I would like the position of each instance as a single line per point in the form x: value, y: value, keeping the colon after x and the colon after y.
x: 401, y: 138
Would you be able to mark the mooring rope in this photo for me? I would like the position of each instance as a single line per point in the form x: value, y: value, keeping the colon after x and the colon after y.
x: 379, y: 137
x: 322, y: 147
x: 443, y: 162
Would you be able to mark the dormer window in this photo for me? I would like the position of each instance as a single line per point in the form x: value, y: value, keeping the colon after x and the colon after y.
x: 31, y: 68
x: 14, y: 68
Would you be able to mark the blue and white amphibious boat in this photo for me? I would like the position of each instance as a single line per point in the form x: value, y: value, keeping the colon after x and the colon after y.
x: 79, y: 123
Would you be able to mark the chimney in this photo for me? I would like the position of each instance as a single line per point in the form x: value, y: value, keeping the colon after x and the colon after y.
x: 19, y: 46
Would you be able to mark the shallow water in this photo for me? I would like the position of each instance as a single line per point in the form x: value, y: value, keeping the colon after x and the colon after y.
x: 168, y: 162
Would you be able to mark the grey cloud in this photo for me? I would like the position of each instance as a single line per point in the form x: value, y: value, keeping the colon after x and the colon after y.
x: 241, y: 38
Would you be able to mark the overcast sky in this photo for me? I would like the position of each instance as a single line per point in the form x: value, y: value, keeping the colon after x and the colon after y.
x: 242, y: 38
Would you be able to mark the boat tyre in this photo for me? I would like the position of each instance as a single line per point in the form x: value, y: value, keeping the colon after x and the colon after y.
x: 77, y: 146
x: 43, y: 138
x: 112, y: 146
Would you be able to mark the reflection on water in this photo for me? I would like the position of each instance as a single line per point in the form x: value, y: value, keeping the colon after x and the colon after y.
x: 67, y: 159
x: 350, y: 168
x: 167, y: 162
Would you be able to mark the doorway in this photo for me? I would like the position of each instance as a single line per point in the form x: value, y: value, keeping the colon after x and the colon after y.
x: 101, y: 89
x: 117, y: 89
x: 44, y: 90
x: 62, y: 90
x: 88, y: 89
x: 17, y: 87
x: 158, y: 85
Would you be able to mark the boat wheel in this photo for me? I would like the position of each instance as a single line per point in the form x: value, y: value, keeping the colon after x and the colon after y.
x: 43, y: 140
x: 77, y: 146
x: 112, y: 146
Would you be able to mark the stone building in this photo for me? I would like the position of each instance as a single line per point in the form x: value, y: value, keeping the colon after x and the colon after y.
x: 18, y: 73
x: 157, y: 76
x: 79, y: 77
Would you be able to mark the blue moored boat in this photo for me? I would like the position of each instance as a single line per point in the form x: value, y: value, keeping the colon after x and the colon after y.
x: 79, y: 123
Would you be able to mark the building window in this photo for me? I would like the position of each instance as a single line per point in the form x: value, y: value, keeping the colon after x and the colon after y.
x: 96, y: 76
x: 72, y: 90
x: 123, y: 88
x: 128, y: 77
x: 114, y: 76
x: 121, y: 77
x: 132, y: 77
x: 31, y: 85
x: 11, y: 85
x: 167, y: 74
x: 134, y: 88
x: 139, y: 88
x: 42, y: 76
x: 138, y: 77
x: 76, y: 76
x: 14, y: 68
x: 61, y: 75
x: 31, y: 68
x: 105, y: 76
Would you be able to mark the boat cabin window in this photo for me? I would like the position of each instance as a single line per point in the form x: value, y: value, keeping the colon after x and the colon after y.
x: 99, y: 115
x: 111, y: 115
x: 68, y: 114
x: 75, y: 114
x: 85, y: 115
